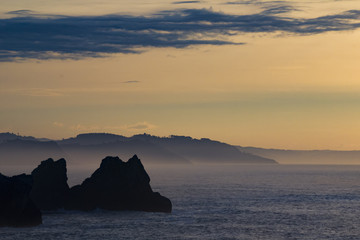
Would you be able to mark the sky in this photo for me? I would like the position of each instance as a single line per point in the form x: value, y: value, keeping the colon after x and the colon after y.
x: 274, y: 74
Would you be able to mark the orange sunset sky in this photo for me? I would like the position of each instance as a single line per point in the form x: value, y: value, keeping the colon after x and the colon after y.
x: 274, y: 74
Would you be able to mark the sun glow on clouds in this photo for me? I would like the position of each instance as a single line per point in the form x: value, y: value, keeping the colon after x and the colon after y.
x: 262, y: 73
x: 67, y: 37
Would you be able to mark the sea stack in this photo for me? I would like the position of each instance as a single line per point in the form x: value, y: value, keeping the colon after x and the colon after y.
x: 16, y: 207
x: 117, y: 185
x: 50, y: 187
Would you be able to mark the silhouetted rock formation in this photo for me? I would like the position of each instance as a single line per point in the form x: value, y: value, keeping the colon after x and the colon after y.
x: 117, y: 185
x: 16, y: 207
x: 50, y: 186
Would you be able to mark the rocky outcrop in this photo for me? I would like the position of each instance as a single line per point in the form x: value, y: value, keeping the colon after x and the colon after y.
x: 16, y: 207
x: 117, y: 185
x: 50, y: 186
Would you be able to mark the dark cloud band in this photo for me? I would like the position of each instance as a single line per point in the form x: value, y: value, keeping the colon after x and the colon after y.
x: 186, y: 2
x: 29, y: 35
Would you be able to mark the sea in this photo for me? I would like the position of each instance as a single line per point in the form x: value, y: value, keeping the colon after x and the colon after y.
x: 223, y: 202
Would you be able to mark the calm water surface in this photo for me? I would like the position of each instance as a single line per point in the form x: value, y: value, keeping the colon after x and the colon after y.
x: 224, y: 202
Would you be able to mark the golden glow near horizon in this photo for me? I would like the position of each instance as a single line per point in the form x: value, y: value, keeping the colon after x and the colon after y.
x: 278, y: 90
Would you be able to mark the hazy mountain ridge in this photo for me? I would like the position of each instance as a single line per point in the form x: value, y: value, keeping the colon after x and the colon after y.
x: 152, y: 152
x: 28, y: 151
x: 12, y: 136
x: 203, y: 150
x: 284, y: 156
x: 177, y: 149
x: 87, y: 148
x: 93, y: 139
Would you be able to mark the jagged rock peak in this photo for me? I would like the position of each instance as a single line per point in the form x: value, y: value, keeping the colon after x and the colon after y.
x: 131, y: 172
x: 118, y: 185
x: 135, y: 160
x: 109, y: 161
x: 50, y: 163
x: 50, y: 184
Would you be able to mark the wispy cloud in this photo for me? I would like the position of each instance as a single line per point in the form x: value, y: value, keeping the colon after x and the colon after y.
x: 86, y: 128
x: 134, y: 81
x: 268, y: 7
x: 63, y: 92
x: 29, y: 35
x: 135, y: 127
x: 257, y: 2
x: 35, y: 92
x: 140, y: 126
x: 58, y: 124
x: 186, y: 2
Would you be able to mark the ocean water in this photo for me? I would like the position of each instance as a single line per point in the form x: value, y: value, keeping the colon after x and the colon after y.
x: 224, y: 202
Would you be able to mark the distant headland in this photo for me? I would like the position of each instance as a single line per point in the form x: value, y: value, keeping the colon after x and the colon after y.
x: 88, y: 148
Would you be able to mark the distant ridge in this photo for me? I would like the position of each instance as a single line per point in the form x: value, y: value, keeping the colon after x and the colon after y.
x: 284, y: 156
x: 87, y: 148
x: 93, y: 139
x: 12, y: 136
x: 20, y: 151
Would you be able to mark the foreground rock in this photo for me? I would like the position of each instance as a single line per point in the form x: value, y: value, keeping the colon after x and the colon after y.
x: 50, y: 186
x: 117, y: 185
x: 16, y: 207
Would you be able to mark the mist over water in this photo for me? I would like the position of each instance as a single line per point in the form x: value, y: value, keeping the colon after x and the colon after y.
x: 223, y: 202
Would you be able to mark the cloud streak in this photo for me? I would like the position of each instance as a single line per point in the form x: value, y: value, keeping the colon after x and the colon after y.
x: 186, y: 2
x: 37, y: 36
x: 131, y: 81
x: 139, y: 126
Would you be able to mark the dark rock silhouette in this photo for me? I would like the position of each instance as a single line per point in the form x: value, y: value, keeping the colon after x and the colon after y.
x: 50, y: 186
x: 117, y: 185
x: 16, y: 207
